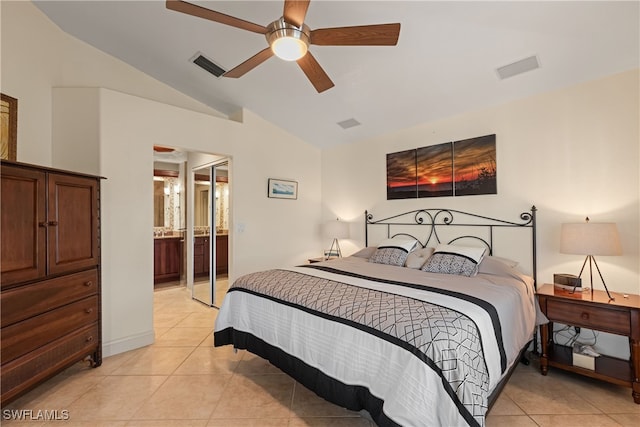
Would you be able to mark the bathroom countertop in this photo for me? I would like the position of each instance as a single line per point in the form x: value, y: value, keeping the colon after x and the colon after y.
x: 170, y: 236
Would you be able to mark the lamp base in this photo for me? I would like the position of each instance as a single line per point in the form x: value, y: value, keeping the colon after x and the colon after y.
x: 591, y: 260
x: 335, y: 245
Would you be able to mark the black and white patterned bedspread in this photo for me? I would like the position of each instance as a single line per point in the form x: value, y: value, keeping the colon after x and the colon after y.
x: 447, y: 340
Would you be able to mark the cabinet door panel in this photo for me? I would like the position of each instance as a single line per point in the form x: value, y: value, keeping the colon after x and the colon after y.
x: 73, y: 223
x: 23, y: 226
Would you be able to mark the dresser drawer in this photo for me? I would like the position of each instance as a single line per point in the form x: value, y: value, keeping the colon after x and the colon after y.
x: 23, y: 337
x: 30, y: 300
x: 588, y: 316
x: 23, y: 373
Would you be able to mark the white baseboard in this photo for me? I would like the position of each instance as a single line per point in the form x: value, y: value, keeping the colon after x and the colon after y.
x: 132, y: 342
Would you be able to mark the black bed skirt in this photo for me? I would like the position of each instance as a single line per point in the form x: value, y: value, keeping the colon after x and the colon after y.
x: 354, y: 398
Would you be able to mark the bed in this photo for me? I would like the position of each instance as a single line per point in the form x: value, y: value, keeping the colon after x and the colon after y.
x: 412, y: 346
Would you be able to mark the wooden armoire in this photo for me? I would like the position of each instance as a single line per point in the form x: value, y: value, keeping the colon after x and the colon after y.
x: 49, y: 274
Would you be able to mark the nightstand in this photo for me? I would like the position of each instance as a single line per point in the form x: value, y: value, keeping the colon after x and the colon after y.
x: 620, y: 317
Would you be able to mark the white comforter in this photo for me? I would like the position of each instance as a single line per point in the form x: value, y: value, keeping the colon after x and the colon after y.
x: 412, y: 390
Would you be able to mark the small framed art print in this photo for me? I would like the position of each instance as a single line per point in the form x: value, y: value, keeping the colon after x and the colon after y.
x: 282, y: 189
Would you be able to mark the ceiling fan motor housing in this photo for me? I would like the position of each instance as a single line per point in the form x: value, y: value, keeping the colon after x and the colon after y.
x: 287, y: 41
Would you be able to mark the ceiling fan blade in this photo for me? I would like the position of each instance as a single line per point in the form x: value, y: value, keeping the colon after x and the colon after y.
x: 364, y: 35
x: 316, y: 75
x: 249, y: 64
x: 202, y: 12
x: 295, y: 11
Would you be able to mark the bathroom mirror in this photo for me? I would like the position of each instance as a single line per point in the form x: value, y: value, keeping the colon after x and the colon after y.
x: 158, y: 202
x: 201, y: 198
x: 166, y: 202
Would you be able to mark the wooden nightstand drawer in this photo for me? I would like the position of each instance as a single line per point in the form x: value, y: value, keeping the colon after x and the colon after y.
x: 588, y: 316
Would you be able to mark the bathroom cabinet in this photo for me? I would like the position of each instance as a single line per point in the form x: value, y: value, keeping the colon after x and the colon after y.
x: 167, y: 259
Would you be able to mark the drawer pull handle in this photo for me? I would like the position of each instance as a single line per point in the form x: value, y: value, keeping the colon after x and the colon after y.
x: 53, y: 223
x: 88, y: 283
x: 585, y: 316
x: 43, y: 224
x: 88, y: 310
x: 89, y: 339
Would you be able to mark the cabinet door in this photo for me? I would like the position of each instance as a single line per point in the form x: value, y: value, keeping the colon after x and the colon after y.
x: 73, y: 223
x: 23, y: 216
x: 167, y: 259
x: 207, y: 255
x: 222, y: 254
x: 173, y: 257
x: 158, y: 264
x: 198, y: 257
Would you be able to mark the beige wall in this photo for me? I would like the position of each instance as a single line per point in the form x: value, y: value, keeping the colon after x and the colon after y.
x: 572, y: 152
x: 37, y: 57
x: 81, y: 109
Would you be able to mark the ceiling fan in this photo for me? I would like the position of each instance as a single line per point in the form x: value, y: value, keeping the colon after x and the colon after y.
x: 289, y: 38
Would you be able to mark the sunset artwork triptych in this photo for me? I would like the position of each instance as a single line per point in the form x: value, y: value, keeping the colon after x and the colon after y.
x: 459, y: 168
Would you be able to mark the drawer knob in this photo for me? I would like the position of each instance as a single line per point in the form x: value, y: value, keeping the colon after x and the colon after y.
x: 53, y: 223
x: 88, y: 310
x: 585, y: 316
x: 89, y: 338
x: 88, y: 283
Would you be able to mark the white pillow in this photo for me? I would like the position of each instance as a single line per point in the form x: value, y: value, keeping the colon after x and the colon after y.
x: 397, y: 242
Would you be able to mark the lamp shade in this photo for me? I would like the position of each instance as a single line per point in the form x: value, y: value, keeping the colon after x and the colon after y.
x: 336, y: 229
x: 590, y: 238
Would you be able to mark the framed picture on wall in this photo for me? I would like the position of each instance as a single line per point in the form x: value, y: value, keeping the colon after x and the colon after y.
x: 9, y: 128
x: 282, y: 189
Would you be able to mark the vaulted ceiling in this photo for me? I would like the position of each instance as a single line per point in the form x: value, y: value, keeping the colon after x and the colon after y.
x: 444, y: 64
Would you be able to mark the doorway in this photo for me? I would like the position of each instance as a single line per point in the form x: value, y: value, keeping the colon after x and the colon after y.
x: 191, y: 223
x: 210, y: 230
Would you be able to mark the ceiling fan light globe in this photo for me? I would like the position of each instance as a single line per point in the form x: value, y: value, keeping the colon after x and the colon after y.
x: 289, y: 48
x: 287, y: 41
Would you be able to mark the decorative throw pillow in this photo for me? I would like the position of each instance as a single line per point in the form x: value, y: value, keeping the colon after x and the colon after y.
x: 393, y: 252
x: 417, y: 258
x: 451, y: 259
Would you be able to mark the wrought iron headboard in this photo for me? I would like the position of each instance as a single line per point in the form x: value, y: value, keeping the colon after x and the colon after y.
x: 437, y: 219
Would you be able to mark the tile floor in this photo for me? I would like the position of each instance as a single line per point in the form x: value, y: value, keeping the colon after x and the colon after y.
x: 183, y: 381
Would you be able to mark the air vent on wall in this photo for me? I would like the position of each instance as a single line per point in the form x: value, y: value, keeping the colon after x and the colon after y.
x: 207, y: 65
x: 518, y: 67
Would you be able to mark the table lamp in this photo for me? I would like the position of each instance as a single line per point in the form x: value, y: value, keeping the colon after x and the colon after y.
x: 337, y: 230
x: 590, y: 239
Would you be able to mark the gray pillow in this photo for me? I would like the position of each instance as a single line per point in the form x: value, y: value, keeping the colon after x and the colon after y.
x: 365, y: 252
x: 459, y: 260
x: 393, y: 251
x: 497, y: 266
x: 390, y: 256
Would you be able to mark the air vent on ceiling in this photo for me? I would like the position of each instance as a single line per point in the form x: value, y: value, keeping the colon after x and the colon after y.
x: 207, y: 65
x: 349, y: 123
x: 518, y: 67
